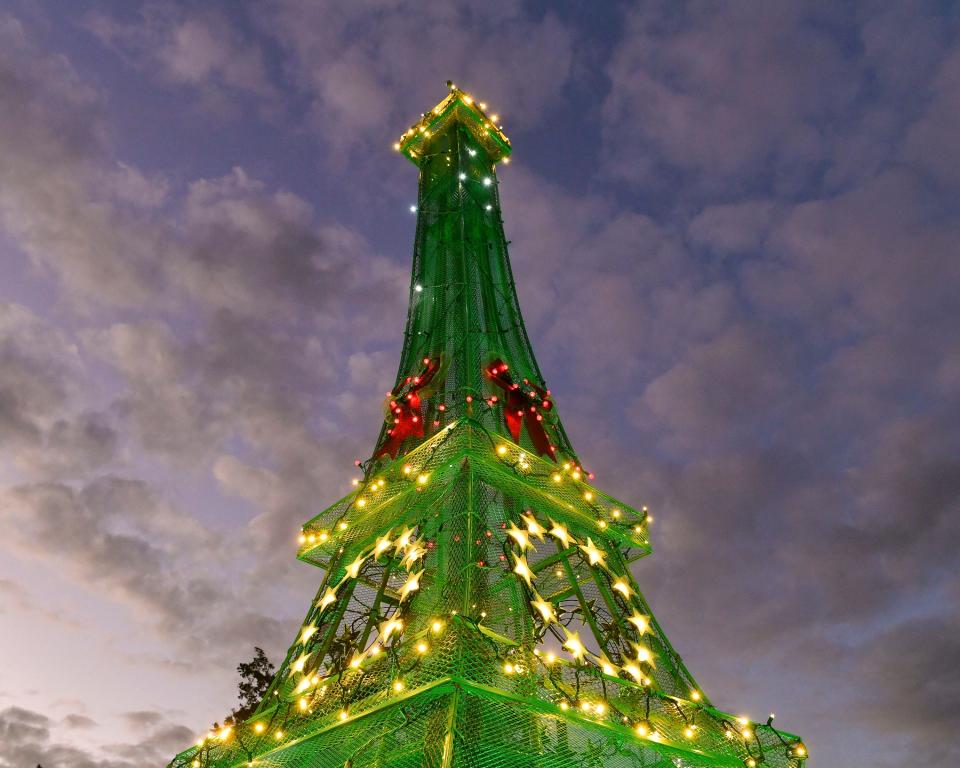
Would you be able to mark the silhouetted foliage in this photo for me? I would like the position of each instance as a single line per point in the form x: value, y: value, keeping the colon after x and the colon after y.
x: 255, y: 678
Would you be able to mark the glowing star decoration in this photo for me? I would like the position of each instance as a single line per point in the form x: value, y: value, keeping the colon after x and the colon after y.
x: 411, y: 585
x: 520, y: 536
x: 389, y: 627
x: 607, y: 667
x: 353, y: 570
x: 545, y: 609
x: 560, y: 533
x: 634, y: 671
x: 533, y: 527
x: 573, y: 644
x: 621, y: 586
x: 300, y: 663
x: 403, y: 541
x: 594, y: 555
x: 307, y: 633
x: 643, y: 654
x: 522, y: 569
x: 415, y: 551
x: 641, y: 622
x: 329, y: 598
x: 382, y: 545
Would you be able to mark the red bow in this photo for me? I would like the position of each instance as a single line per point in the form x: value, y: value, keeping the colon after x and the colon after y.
x: 405, y: 410
x: 523, y: 407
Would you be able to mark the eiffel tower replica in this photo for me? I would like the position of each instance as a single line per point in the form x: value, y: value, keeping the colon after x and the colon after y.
x: 478, y: 606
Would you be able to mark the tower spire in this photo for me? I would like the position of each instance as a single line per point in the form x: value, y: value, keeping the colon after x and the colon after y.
x: 464, y: 318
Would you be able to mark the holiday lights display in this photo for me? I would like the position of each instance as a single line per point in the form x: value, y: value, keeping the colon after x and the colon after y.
x: 478, y: 607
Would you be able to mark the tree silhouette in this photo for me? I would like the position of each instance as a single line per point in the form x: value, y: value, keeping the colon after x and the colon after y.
x: 255, y: 678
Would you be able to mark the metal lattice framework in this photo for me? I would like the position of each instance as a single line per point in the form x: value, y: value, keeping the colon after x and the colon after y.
x: 478, y: 607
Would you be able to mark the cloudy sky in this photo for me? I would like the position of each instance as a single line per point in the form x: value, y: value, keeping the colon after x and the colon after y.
x: 735, y: 232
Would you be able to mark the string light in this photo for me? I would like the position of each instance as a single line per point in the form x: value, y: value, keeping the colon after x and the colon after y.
x: 520, y: 536
x: 411, y: 585
x: 574, y: 645
x: 559, y: 532
x: 545, y: 609
x: 594, y: 555
x: 522, y: 569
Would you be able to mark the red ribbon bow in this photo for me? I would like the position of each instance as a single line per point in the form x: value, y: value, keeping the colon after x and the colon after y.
x: 405, y: 410
x: 521, y: 407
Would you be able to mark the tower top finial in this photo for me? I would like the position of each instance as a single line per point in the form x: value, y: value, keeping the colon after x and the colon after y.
x: 457, y: 108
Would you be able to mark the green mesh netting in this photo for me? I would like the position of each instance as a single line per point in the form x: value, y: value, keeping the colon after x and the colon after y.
x: 478, y: 607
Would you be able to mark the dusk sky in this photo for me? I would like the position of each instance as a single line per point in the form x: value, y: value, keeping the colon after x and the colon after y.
x: 734, y: 229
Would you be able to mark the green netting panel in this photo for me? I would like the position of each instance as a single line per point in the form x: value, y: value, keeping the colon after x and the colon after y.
x: 478, y: 607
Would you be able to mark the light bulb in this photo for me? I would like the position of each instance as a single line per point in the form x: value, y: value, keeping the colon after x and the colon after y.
x: 413, y: 209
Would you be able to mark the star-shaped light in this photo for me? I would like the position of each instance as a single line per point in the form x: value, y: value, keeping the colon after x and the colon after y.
x: 560, y: 533
x: 415, y: 551
x: 545, y: 609
x: 643, y: 653
x: 388, y: 627
x: 520, y: 536
x: 634, y: 671
x: 522, y: 569
x: 594, y: 556
x: 574, y: 645
x: 307, y: 632
x: 641, y: 622
x: 382, y: 545
x: 403, y: 541
x: 533, y: 526
x: 621, y: 586
x: 299, y: 664
x: 329, y: 597
x: 353, y: 570
x: 412, y: 585
x: 607, y: 666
